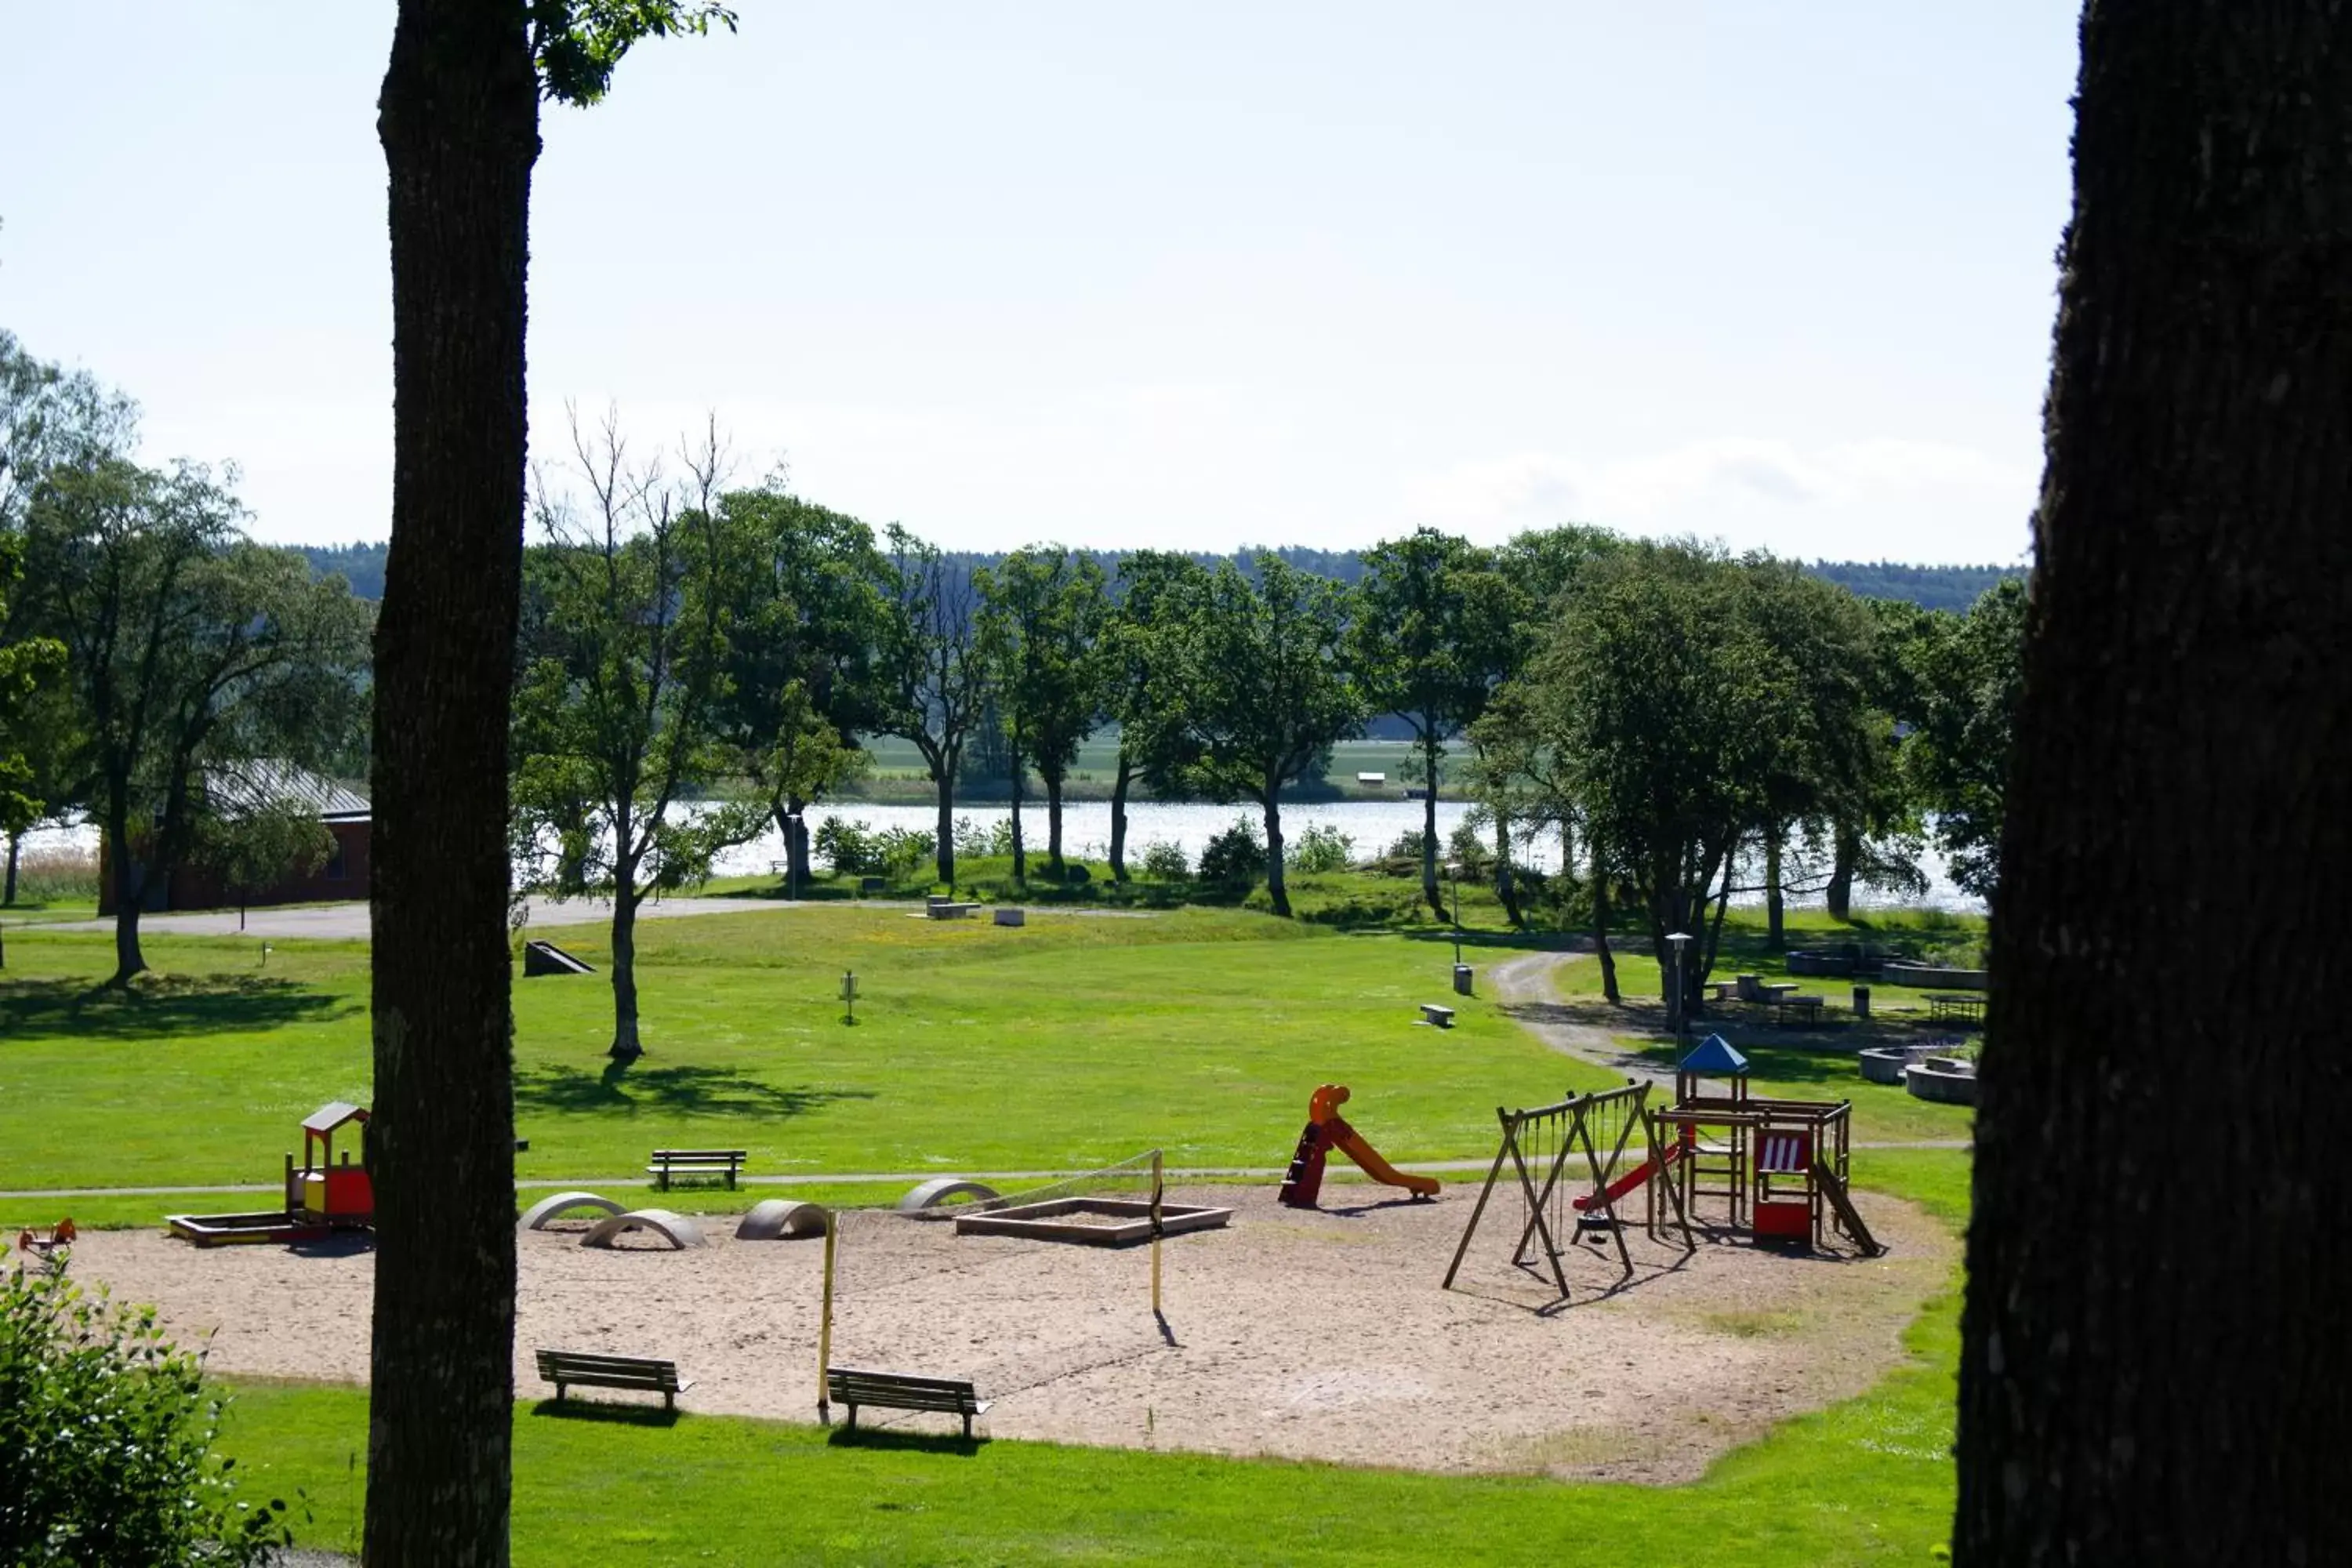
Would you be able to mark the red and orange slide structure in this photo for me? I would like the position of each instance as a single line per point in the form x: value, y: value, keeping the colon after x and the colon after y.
x: 1327, y: 1130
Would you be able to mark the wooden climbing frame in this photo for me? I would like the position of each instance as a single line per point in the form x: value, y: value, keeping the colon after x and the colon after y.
x: 1545, y: 1137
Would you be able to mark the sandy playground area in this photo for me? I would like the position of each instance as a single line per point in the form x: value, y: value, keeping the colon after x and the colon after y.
x: 1305, y: 1334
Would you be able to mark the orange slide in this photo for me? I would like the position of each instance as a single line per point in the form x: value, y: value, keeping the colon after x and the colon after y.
x: 1327, y: 1129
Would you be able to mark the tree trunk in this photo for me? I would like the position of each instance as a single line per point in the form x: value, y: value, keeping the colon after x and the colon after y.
x: 1776, y: 930
x: 1118, y: 817
x: 1430, y: 749
x: 1020, y: 846
x: 1601, y: 926
x: 8, y: 896
x: 1505, y: 889
x: 943, y: 854
x: 459, y: 123
x: 2153, y: 1363
x: 626, y: 1046
x: 1273, y: 885
x: 130, y: 890
x: 1847, y: 856
x: 1054, y: 866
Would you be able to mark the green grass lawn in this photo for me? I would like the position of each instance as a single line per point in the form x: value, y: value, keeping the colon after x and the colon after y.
x: 1869, y: 1480
x: 1071, y: 1043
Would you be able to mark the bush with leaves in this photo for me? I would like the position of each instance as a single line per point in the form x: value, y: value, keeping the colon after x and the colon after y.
x: 1236, y: 857
x: 849, y: 848
x: 1164, y: 862
x: 1321, y: 848
x: 106, y: 1435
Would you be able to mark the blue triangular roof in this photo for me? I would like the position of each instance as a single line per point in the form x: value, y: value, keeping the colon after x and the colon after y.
x: 1716, y: 1058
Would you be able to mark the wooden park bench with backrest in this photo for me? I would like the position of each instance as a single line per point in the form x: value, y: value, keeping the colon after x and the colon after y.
x: 668, y: 1162
x: 854, y: 1387
x: 563, y: 1368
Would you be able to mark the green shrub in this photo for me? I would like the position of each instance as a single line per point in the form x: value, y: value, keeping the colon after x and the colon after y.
x: 1321, y: 848
x: 1165, y: 863
x: 852, y: 850
x: 1236, y: 857
x: 106, y: 1435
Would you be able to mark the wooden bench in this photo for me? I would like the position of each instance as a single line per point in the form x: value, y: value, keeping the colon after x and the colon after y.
x: 563, y: 1368
x: 1431, y: 1013
x: 668, y: 1162
x: 854, y: 1387
x: 1790, y: 1005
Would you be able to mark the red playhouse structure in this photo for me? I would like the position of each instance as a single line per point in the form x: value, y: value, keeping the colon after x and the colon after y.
x: 322, y: 1196
x: 1327, y: 1129
x: 1780, y: 1165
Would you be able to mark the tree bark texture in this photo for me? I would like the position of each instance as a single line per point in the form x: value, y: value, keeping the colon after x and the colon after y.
x: 8, y: 896
x: 2154, y: 1368
x: 1431, y: 748
x: 1054, y: 866
x: 130, y: 890
x: 458, y: 118
x: 1839, y: 895
x: 626, y: 1046
x: 1776, y: 906
x: 1118, y: 817
x: 1274, y: 890
x: 1020, y: 844
x: 944, y: 852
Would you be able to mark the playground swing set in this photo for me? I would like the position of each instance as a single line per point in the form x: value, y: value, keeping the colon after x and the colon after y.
x: 1778, y: 1166
x: 323, y: 1196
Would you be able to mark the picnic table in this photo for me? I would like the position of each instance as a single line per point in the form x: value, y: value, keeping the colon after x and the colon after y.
x: 1788, y: 1007
x: 1957, y: 1006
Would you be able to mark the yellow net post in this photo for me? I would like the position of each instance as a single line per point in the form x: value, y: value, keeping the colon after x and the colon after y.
x: 825, y: 1325
x: 1157, y: 1172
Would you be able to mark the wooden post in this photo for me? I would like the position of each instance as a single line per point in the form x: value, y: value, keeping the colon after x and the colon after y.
x: 1158, y: 1171
x: 824, y: 1328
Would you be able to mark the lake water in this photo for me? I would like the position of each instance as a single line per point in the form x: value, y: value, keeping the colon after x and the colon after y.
x: 1372, y: 827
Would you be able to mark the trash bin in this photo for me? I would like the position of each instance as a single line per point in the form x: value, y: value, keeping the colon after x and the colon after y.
x: 1461, y: 980
x: 1862, y: 1001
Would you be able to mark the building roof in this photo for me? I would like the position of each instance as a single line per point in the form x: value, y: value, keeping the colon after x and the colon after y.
x: 1715, y: 1057
x: 264, y: 781
x: 332, y: 1115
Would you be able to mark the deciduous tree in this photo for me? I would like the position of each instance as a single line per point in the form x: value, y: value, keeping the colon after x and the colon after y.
x: 1043, y: 614
x: 1266, y: 691
x: 1435, y: 631
x: 189, y: 650
x: 932, y: 677
x: 458, y: 118
x: 618, y: 714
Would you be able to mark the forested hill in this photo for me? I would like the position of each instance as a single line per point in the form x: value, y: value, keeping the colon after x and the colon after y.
x: 1936, y: 587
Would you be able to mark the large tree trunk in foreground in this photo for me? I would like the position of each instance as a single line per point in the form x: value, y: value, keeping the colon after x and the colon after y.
x: 2154, y: 1368
x: 459, y: 121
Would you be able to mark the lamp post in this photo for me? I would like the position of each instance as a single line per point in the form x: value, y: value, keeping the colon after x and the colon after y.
x: 1681, y: 939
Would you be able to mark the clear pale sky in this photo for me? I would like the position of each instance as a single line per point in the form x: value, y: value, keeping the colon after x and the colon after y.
x: 1193, y: 275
